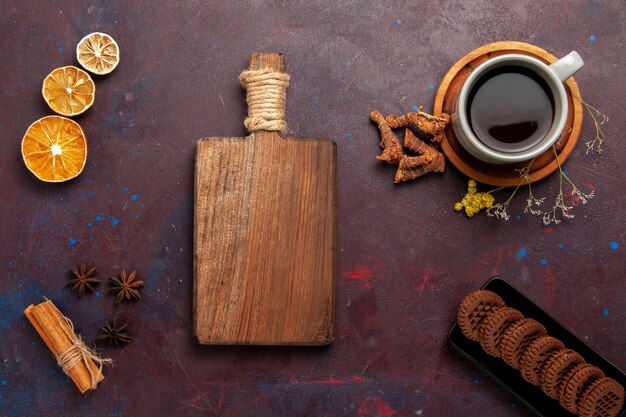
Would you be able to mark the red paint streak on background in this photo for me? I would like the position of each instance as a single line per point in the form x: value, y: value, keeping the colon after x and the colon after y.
x: 375, y: 407
x: 548, y: 229
x: 336, y: 381
x: 360, y: 272
x: 421, y: 287
x: 363, y: 275
x: 496, y: 267
x: 550, y: 287
x: 220, y: 403
x: 492, y: 263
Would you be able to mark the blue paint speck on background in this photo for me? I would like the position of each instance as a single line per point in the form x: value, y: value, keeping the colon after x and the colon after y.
x: 561, y: 246
x: 60, y: 50
x: 125, y: 189
x: 415, y: 108
x: 518, y: 217
x: 99, y: 218
x: 4, y: 382
x: 544, y: 261
x: 134, y: 197
x: 398, y: 22
x: 114, y: 221
x: 522, y: 253
x: 592, y: 38
x: 431, y: 86
x: 348, y: 134
x: 73, y: 242
x: 606, y: 312
x: 614, y: 245
x: 89, y: 225
x: 98, y: 294
x: 477, y: 381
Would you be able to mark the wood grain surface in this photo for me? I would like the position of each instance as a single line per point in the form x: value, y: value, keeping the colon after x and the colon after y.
x: 265, y: 237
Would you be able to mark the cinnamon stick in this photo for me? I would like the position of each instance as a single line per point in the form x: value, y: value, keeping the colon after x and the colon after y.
x: 58, y: 334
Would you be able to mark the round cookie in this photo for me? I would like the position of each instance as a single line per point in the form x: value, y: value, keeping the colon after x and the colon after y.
x: 536, y: 355
x: 474, y: 308
x: 603, y: 398
x: 516, y: 339
x: 493, y: 327
x: 574, y: 384
x: 557, y: 365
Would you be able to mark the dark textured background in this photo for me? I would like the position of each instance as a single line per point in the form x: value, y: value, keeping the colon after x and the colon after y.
x: 405, y: 259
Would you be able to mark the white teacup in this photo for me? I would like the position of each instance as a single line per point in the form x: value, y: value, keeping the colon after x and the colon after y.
x: 490, y: 150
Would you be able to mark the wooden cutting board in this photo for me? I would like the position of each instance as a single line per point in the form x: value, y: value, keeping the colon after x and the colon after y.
x: 264, y: 255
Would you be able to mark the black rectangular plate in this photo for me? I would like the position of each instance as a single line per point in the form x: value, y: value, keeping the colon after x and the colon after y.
x: 510, y: 378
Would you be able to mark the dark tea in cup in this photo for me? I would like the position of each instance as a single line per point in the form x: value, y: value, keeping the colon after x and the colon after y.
x: 510, y: 108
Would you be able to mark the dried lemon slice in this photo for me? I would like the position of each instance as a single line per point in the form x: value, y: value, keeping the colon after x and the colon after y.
x: 69, y: 91
x: 98, y: 53
x: 54, y: 148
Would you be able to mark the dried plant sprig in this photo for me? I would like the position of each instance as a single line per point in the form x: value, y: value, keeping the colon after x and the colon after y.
x: 599, y: 119
x: 533, y: 203
x: 582, y: 197
x: 499, y: 210
x: 560, y: 210
x: 559, y: 207
x: 576, y: 193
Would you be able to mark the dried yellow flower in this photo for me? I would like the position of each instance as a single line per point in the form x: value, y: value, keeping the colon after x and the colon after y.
x: 474, y: 201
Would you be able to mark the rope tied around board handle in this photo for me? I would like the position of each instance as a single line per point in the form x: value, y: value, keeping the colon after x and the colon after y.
x: 79, y: 352
x: 266, y: 95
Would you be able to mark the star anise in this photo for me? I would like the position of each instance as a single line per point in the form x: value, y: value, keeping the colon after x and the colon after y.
x: 125, y: 286
x: 83, y: 278
x: 114, y: 332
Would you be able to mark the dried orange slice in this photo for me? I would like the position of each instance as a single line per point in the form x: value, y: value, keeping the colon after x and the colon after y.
x: 54, y: 148
x: 98, y: 53
x: 69, y: 91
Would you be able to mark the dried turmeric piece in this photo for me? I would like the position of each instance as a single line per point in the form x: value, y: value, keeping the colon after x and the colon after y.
x: 429, y: 159
x: 392, y: 151
x: 431, y: 125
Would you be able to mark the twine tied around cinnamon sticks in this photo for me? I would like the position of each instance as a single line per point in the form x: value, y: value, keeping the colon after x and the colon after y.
x: 76, y: 359
x: 266, y: 94
x: 79, y: 352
